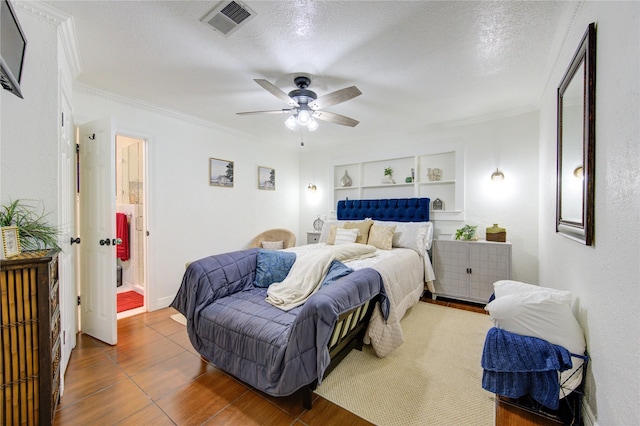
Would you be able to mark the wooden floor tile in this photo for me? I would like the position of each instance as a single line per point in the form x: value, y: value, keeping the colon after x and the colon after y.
x: 201, y: 399
x: 251, y: 409
x: 324, y: 409
x: 141, y: 357
x: 149, y: 415
x: 82, y: 382
x: 108, y: 406
x: 170, y: 374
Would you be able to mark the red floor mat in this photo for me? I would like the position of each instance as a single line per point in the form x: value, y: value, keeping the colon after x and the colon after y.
x: 129, y: 300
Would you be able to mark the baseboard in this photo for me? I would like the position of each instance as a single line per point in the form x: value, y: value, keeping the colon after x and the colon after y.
x: 588, y: 418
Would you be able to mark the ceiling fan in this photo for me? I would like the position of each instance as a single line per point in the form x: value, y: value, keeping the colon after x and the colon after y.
x: 306, y: 105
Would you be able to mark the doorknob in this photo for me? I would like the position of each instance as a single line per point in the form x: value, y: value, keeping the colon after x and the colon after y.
x: 117, y: 241
x: 75, y: 240
x: 106, y: 242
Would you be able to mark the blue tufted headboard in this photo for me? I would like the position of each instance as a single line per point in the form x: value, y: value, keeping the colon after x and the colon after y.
x: 393, y: 209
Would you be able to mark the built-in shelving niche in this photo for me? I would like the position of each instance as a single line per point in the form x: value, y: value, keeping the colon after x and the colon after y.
x: 368, y: 181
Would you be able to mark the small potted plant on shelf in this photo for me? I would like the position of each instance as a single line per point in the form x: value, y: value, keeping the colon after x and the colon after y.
x: 33, y: 229
x: 467, y: 233
x: 388, y: 175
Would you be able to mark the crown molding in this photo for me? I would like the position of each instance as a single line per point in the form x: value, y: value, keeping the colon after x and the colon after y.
x: 66, y: 30
x: 147, y: 106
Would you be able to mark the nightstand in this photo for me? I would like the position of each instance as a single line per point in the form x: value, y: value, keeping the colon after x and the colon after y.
x: 313, y: 237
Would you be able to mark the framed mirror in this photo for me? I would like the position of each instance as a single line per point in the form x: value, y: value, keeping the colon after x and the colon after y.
x: 576, y: 144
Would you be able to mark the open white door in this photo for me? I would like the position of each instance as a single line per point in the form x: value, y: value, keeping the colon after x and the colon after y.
x: 98, y: 231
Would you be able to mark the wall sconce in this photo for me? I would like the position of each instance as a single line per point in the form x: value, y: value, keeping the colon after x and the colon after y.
x: 311, y: 188
x: 578, y: 172
x: 497, y: 176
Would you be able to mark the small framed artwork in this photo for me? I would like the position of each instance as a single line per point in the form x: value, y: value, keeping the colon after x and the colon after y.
x: 266, y: 178
x: 220, y: 172
x: 10, y: 241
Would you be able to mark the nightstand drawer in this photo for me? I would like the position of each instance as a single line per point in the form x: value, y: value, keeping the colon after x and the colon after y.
x: 313, y: 237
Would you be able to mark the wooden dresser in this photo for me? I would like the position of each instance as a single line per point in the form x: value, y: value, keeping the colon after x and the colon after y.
x: 30, y: 338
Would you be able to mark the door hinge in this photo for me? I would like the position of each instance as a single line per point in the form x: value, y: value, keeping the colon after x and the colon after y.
x: 77, y: 148
x: 78, y: 300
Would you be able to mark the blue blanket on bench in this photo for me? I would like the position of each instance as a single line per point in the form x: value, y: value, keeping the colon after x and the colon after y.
x: 516, y: 365
x: 230, y: 323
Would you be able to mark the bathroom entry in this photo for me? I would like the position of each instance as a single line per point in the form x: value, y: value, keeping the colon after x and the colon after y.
x: 130, y: 226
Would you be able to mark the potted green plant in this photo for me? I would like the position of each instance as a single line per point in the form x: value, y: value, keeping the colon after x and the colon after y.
x: 467, y: 232
x: 388, y: 175
x: 33, y: 229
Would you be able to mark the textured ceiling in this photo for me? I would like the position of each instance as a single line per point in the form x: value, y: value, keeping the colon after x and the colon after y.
x: 417, y: 62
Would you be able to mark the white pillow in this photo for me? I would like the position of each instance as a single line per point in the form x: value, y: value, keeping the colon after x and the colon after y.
x: 326, y: 229
x: 539, y: 314
x: 505, y: 287
x: 414, y: 235
x: 346, y: 236
x: 272, y: 245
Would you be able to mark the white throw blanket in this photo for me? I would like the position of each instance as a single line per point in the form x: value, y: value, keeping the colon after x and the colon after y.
x: 303, y: 280
x: 309, y: 270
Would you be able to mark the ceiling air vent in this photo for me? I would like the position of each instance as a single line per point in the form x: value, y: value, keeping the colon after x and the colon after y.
x: 227, y: 17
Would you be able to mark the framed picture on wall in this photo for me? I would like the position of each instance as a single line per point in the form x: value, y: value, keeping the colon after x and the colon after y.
x: 266, y: 178
x: 10, y: 241
x: 220, y: 172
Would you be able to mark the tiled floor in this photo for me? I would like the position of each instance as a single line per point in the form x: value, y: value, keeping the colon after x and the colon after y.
x: 153, y: 376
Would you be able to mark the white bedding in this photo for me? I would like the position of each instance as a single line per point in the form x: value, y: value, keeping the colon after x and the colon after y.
x: 403, y: 274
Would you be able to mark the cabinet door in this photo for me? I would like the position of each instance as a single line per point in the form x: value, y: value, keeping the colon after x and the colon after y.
x: 450, y: 263
x: 489, y: 263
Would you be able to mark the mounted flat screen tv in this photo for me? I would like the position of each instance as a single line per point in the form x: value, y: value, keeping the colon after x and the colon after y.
x: 12, y: 47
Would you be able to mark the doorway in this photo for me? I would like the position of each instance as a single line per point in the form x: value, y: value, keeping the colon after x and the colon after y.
x: 130, y: 226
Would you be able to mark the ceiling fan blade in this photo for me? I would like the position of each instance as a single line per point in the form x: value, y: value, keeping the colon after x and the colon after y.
x: 275, y: 111
x: 275, y: 91
x: 335, y: 98
x: 335, y: 118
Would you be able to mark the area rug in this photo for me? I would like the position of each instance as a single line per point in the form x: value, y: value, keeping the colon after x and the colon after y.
x: 179, y: 318
x: 129, y: 300
x: 433, y: 378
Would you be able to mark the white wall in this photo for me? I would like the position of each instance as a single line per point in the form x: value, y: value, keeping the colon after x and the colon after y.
x: 605, y: 277
x: 29, y: 138
x: 188, y: 219
x: 510, y: 143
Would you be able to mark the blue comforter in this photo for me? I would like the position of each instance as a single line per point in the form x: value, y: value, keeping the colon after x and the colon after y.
x: 278, y: 352
x: 516, y: 365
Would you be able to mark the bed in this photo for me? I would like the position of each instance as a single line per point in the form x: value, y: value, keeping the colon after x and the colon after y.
x: 279, y: 350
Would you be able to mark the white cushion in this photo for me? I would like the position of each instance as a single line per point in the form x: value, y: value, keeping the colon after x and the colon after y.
x: 505, y: 287
x: 326, y: 229
x: 346, y: 236
x: 414, y: 235
x: 539, y: 314
x: 272, y: 245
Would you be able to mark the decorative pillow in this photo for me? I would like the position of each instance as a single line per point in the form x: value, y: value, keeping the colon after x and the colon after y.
x: 381, y: 236
x: 363, y: 227
x: 345, y: 236
x: 538, y: 314
x: 505, y: 287
x: 331, y: 237
x: 272, y: 245
x: 336, y: 271
x: 272, y: 266
x: 326, y: 229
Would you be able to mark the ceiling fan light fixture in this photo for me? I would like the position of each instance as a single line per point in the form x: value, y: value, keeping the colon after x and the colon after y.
x: 303, y: 117
x: 291, y: 122
x: 312, y: 125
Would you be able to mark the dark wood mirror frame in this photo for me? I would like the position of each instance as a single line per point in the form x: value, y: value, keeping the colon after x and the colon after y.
x: 578, y: 226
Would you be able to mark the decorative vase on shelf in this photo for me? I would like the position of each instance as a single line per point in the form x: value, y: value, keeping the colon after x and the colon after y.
x: 346, y: 180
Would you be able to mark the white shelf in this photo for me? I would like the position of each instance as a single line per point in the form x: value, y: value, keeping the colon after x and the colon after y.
x: 366, y: 176
x: 437, y: 182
